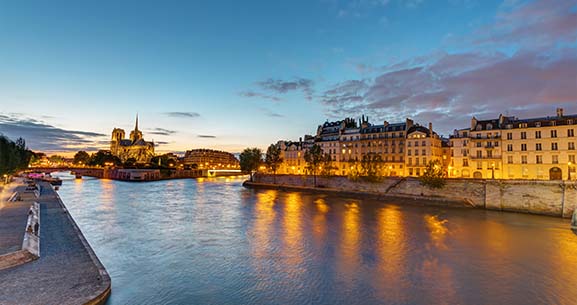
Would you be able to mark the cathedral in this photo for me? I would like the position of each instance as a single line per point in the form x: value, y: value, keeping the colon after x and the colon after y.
x: 135, y: 147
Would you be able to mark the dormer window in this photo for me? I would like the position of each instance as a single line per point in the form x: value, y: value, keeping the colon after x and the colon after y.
x: 479, y: 127
x: 489, y: 126
x: 538, y: 124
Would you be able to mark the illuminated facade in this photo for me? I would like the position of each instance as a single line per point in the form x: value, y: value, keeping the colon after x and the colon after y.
x: 210, y: 159
x: 512, y: 148
x: 134, y: 147
x: 347, y: 141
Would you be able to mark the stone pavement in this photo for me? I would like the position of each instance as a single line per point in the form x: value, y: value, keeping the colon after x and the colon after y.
x: 67, y: 271
x: 13, y: 216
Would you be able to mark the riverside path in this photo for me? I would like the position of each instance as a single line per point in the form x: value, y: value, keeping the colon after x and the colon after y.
x: 67, y: 271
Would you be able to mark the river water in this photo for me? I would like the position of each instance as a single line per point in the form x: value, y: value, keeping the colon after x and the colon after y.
x: 211, y: 241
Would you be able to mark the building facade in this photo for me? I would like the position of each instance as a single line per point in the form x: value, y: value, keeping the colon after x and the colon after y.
x: 134, y: 147
x: 210, y: 159
x: 512, y: 148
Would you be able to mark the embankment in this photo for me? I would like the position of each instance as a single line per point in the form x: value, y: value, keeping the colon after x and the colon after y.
x: 553, y: 198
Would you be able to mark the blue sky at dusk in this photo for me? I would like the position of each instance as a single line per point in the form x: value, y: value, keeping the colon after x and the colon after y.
x: 232, y: 74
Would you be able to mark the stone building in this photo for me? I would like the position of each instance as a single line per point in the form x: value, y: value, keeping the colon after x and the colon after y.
x: 134, y: 147
x: 423, y: 146
x: 513, y: 148
x: 210, y: 159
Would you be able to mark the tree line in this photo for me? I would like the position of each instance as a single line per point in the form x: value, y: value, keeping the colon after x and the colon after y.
x: 14, y: 156
x: 371, y: 167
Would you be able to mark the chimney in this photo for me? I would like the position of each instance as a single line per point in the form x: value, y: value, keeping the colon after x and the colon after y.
x: 560, y: 112
x: 385, y: 123
x: 431, y: 127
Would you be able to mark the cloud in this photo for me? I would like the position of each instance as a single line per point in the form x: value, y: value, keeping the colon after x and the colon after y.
x: 543, y: 24
x: 276, y: 87
x: 182, y: 114
x: 270, y: 113
x: 45, y: 137
x: 158, y: 143
x: 448, y: 88
x: 260, y: 95
x: 206, y: 136
x: 282, y: 86
x: 162, y: 132
x: 455, y: 87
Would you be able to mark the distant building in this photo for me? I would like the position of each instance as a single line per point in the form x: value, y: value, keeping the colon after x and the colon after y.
x: 134, y: 147
x: 511, y: 148
x: 210, y: 159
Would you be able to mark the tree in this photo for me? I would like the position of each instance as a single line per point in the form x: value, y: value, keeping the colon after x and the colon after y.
x: 102, y: 157
x: 273, y: 159
x: 372, y: 167
x: 130, y: 163
x: 250, y: 160
x: 327, y: 166
x: 314, y: 158
x: 434, y: 176
x: 14, y: 156
x: 81, y: 157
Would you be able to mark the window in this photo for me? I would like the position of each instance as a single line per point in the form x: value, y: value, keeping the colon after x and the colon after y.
x: 416, y: 143
x: 465, y: 162
x: 523, y: 135
x: 416, y: 152
x: 479, y: 154
x: 417, y: 161
x: 510, y: 159
x: 538, y: 124
x: 572, y: 159
x: 553, y: 133
x: 479, y: 165
x: 553, y: 146
x: 409, y: 144
x: 524, y: 159
x: 524, y: 147
x: 479, y: 144
x: 478, y: 136
x: 408, y: 152
x: 555, y: 159
x: 509, y: 136
x: 410, y: 171
x: 489, y: 154
x: 424, y: 143
x: 570, y: 133
x: 538, y: 146
x: 509, y: 147
x: 538, y: 134
x: 424, y: 161
x: 571, y: 146
x: 489, y: 126
x: 424, y: 152
x: 410, y: 161
x: 539, y: 159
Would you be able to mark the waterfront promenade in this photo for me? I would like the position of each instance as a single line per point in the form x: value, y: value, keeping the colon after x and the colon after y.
x: 67, y: 271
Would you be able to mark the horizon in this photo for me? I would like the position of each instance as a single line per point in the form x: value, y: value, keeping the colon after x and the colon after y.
x: 236, y: 75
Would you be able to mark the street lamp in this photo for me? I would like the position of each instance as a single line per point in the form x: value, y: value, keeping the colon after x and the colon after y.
x: 493, y: 170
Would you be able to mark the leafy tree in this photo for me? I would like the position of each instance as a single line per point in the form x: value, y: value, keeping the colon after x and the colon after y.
x: 81, y: 157
x: 250, y: 160
x: 354, y: 170
x: 162, y: 161
x: 434, y: 175
x: 130, y: 163
x: 372, y: 167
x: 14, y: 156
x: 327, y: 166
x: 102, y: 157
x: 56, y: 159
x: 273, y: 159
x: 314, y: 158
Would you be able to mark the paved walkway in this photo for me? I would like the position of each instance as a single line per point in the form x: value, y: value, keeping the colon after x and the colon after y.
x: 13, y: 216
x: 65, y: 273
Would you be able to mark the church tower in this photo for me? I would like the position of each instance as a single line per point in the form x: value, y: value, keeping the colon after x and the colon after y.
x: 136, y: 134
x: 117, y: 136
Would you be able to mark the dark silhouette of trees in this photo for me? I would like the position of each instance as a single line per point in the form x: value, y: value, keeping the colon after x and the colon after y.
x: 273, y: 159
x: 434, y: 176
x: 314, y: 158
x: 14, y: 156
x: 250, y: 160
x: 81, y: 157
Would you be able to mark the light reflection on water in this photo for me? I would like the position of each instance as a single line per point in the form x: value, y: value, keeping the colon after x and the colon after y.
x: 210, y: 241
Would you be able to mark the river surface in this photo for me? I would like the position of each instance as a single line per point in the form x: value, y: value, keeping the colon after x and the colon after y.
x: 211, y: 241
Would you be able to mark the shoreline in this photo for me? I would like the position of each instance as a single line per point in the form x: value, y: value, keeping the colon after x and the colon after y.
x: 67, y: 271
x: 545, y: 198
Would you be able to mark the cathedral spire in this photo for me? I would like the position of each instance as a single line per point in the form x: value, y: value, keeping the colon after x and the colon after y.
x: 136, y: 127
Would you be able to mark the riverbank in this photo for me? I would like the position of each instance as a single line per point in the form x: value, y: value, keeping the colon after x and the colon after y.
x: 67, y: 271
x: 551, y: 198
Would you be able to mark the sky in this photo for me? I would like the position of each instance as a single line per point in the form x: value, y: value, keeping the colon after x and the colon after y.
x: 234, y: 74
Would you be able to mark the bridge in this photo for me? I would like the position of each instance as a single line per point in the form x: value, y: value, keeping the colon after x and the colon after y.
x: 122, y: 174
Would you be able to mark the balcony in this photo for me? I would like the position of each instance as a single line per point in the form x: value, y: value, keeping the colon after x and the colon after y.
x: 485, y: 158
x: 485, y: 137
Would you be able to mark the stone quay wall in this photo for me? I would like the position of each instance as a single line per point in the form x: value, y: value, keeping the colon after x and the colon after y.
x: 554, y: 198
